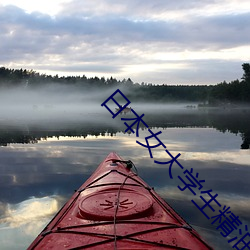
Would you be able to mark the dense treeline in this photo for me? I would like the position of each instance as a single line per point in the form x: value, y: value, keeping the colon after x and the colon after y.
x: 237, y: 91
x: 233, y: 92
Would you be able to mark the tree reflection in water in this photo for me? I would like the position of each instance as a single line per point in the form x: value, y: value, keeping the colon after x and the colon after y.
x: 233, y: 121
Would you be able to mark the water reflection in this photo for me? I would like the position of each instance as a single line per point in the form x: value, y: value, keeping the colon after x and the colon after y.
x: 36, y: 179
x: 31, y: 210
x: 21, y: 221
x: 99, y: 124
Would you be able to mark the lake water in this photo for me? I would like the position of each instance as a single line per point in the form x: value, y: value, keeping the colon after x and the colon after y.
x: 44, y: 158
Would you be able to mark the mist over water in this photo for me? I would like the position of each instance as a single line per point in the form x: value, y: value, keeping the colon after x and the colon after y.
x: 59, y: 107
x: 79, y: 133
x: 61, y: 103
x: 55, y: 102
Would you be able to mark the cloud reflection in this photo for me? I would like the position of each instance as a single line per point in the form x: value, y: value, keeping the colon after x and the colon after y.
x: 22, y: 222
x: 29, y: 212
x: 59, y: 166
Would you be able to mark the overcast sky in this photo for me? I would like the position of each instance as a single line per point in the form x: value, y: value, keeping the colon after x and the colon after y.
x: 157, y: 41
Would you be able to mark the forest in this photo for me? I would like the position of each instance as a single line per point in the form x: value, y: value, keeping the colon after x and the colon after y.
x: 224, y: 93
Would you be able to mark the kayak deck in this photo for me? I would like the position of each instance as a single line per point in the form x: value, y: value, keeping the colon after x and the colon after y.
x: 116, y: 209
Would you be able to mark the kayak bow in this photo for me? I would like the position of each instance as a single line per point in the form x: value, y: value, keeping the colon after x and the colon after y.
x: 116, y: 209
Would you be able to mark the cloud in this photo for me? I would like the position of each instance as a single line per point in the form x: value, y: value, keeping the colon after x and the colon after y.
x: 139, y: 9
x: 123, y: 40
x: 117, y: 30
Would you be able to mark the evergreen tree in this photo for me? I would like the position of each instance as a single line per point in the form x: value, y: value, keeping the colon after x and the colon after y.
x: 246, y: 69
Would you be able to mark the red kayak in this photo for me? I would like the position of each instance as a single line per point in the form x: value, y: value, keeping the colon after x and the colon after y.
x: 116, y: 209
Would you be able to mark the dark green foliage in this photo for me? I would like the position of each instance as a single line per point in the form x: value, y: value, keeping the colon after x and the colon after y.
x: 220, y: 94
x: 233, y: 92
x: 246, y: 75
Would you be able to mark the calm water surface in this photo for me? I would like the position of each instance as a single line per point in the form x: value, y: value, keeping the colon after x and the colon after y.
x: 44, y: 161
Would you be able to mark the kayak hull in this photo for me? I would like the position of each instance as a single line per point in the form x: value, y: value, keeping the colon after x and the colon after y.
x: 116, y: 209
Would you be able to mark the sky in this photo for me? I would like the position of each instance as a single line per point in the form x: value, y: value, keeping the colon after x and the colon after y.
x: 153, y: 41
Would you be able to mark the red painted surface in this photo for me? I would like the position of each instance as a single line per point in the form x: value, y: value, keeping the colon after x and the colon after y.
x: 142, y: 219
